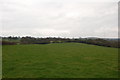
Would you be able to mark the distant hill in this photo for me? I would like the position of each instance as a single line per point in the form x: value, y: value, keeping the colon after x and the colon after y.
x: 112, y: 39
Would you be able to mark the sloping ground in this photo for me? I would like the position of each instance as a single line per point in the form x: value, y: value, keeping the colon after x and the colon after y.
x: 64, y: 60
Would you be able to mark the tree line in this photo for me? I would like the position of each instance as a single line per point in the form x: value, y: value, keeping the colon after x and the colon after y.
x: 32, y: 40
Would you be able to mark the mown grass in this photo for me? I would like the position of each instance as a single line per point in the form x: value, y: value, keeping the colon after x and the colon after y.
x: 64, y: 60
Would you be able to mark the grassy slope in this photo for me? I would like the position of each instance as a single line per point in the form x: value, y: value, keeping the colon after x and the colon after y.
x: 67, y: 60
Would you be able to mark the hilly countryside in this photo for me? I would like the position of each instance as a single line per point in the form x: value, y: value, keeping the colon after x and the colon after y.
x: 59, y: 39
x: 30, y: 57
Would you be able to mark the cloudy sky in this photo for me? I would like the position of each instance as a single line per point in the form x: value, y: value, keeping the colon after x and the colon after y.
x: 63, y: 18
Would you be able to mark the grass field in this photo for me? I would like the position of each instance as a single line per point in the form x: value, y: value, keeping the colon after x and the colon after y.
x: 64, y: 60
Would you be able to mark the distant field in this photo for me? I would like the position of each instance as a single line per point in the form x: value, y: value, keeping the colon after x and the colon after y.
x: 64, y: 60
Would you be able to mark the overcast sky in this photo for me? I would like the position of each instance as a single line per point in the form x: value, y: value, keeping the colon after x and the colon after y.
x: 63, y: 18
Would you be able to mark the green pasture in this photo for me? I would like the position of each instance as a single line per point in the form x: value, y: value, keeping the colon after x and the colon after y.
x: 62, y: 60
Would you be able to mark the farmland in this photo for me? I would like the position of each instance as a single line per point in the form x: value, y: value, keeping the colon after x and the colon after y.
x: 59, y: 60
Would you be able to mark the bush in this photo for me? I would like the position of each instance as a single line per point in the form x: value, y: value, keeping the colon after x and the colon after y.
x: 8, y: 43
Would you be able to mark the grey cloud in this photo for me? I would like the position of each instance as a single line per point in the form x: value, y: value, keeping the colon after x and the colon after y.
x: 59, y: 18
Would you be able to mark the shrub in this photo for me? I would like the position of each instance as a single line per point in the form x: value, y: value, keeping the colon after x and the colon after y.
x: 8, y: 43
